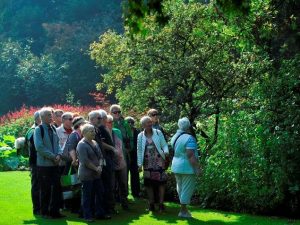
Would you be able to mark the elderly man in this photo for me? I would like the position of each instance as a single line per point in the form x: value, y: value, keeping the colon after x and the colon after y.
x: 65, y: 129
x: 49, y: 153
x: 35, y: 186
x: 57, y: 120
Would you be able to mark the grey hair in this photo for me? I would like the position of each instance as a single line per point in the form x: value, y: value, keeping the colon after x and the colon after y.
x: 114, y: 106
x: 86, y: 128
x: 184, y: 124
x: 67, y: 114
x: 93, y: 114
x: 102, y: 113
x: 144, y: 119
x: 20, y: 143
x: 44, y: 111
x: 36, y: 115
x: 130, y: 118
x: 110, y: 118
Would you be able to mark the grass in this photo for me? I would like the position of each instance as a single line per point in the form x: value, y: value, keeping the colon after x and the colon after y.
x: 15, y: 208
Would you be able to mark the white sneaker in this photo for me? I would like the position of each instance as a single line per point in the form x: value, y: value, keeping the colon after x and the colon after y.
x: 185, y: 214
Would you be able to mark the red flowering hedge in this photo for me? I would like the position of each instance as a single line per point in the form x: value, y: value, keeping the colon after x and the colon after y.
x: 18, y: 122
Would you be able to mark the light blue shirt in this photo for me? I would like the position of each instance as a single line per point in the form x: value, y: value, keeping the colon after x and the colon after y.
x: 180, y: 162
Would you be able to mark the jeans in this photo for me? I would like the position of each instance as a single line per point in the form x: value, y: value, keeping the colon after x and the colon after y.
x: 92, y: 196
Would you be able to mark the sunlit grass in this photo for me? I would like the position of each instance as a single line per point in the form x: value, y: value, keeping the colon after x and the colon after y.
x: 15, y: 208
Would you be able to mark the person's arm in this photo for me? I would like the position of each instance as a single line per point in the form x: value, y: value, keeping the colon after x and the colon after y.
x: 71, y: 145
x: 191, y: 148
x: 40, y: 147
x: 139, y: 151
x: 163, y: 143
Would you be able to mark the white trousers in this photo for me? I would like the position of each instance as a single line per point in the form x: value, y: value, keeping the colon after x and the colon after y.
x: 185, y: 187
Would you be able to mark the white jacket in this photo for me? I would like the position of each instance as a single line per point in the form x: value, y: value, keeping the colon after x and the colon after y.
x: 159, y: 141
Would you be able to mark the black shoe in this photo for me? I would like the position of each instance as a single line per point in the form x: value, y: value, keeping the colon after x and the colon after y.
x: 57, y: 216
x: 151, y: 207
x: 36, y: 213
x: 45, y: 216
x: 162, y: 207
x: 114, y: 212
x: 104, y: 217
x: 125, y: 207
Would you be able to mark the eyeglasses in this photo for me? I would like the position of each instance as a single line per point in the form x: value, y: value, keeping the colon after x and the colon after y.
x: 154, y: 114
x: 116, y: 112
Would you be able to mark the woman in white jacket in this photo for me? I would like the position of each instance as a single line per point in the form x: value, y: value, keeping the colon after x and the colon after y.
x: 152, y: 150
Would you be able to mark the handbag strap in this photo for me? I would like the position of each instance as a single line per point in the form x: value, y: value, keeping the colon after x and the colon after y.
x: 94, y: 150
x: 177, y: 139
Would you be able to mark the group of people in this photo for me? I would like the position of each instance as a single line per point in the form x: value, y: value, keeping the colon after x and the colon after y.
x: 103, y: 150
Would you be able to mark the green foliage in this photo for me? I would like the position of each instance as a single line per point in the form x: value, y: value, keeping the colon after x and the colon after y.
x: 236, y: 78
x: 44, y: 48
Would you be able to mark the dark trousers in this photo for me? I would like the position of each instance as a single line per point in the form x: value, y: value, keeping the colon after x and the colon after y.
x: 92, y: 198
x: 35, y: 190
x: 49, y: 178
x: 121, y: 182
x: 108, y: 183
x: 134, y: 174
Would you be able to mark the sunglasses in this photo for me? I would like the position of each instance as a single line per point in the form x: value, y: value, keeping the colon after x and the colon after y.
x: 70, y: 119
x: 116, y: 112
x: 99, y: 118
x: 154, y: 114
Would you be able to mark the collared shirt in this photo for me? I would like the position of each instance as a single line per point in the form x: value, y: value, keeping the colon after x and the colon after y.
x: 62, y: 135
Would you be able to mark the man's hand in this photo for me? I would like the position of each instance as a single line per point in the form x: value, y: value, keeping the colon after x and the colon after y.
x: 75, y: 163
x: 57, y: 159
x: 99, y: 169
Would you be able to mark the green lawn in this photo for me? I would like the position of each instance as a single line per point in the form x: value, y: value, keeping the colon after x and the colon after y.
x: 15, y: 208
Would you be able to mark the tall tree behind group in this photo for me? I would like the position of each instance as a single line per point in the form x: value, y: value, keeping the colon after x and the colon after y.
x: 44, y: 48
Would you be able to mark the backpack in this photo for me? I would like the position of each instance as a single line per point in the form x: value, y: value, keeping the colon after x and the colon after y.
x: 32, y: 150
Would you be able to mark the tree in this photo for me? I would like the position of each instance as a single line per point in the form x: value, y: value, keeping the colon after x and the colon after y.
x: 188, y: 67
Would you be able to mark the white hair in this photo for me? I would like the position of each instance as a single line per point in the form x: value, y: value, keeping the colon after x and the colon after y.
x: 66, y: 114
x: 114, y: 106
x: 93, y: 114
x: 20, y: 142
x: 110, y: 118
x: 44, y: 111
x: 102, y: 113
x: 144, y: 119
x: 184, y: 124
x: 86, y: 128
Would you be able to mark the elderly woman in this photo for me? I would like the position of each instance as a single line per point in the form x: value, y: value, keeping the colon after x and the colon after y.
x: 185, y: 164
x: 154, y: 115
x: 90, y: 169
x: 152, y: 150
x: 74, y: 139
x: 120, y: 165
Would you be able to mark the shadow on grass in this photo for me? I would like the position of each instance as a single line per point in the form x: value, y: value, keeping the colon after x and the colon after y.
x: 171, y: 217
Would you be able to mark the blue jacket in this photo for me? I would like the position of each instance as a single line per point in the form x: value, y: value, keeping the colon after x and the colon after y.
x: 46, y: 153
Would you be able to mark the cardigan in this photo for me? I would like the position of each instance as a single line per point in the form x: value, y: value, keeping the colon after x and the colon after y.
x: 159, y: 141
